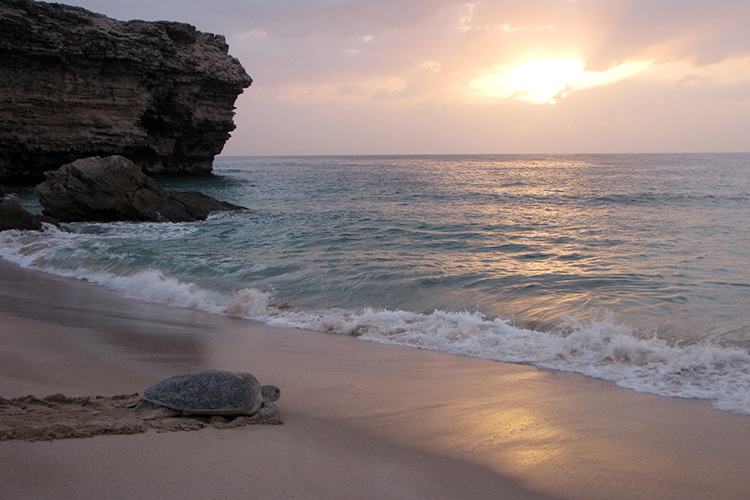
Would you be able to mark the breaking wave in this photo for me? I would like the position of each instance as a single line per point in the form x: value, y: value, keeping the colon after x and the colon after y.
x: 599, y: 348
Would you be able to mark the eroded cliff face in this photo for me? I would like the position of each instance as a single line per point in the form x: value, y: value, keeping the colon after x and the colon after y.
x: 75, y: 84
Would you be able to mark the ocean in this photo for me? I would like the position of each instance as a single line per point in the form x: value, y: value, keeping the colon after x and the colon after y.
x: 629, y: 268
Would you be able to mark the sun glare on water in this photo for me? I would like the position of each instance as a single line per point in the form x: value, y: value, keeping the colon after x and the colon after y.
x: 545, y: 82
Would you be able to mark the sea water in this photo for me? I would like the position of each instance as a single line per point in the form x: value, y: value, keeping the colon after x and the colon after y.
x: 630, y: 268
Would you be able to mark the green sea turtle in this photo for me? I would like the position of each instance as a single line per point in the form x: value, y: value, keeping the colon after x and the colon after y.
x: 211, y: 392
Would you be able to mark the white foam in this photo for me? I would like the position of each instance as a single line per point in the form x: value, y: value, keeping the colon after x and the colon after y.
x: 42, y: 250
x: 599, y: 348
x: 249, y: 303
x: 153, y: 286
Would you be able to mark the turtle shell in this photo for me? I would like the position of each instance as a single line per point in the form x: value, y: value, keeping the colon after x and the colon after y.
x: 208, y: 392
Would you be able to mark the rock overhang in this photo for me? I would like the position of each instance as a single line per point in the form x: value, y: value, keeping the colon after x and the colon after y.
x: 75, y: 84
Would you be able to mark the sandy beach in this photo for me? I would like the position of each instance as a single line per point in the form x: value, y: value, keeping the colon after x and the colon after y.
x: 362, y: 420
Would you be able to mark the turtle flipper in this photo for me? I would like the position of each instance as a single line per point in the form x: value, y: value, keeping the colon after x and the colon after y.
x: 268, y: 414
x: 158, y: 412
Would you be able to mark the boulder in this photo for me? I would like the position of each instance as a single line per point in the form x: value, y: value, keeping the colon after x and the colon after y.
x: 14, y: 216
x: 74, y: 84
x: 115, y: 189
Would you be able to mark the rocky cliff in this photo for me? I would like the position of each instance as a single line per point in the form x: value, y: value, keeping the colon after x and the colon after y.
x: 75, y: 84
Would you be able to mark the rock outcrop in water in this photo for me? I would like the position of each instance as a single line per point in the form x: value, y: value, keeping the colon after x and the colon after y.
x: 115, y: 189
x: 14, y: 216
x: 75, y: 84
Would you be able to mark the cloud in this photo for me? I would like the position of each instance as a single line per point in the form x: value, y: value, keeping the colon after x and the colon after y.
x: 314, y: 39
x: 254, y: 33
x: 694, y: 80
x: 695, y: 30
x: 411, y: 66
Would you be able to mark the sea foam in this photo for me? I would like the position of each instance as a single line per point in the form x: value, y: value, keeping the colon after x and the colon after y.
x: 599, y: 347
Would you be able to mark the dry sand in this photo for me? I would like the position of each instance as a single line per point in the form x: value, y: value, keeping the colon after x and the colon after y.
x: 362, y: 420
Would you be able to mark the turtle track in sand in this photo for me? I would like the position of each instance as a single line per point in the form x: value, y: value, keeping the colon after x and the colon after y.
x: 60, y: 417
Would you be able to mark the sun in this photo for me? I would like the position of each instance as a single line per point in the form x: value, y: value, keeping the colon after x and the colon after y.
x: 545, y: 82
x: 542, y: 82
x: 538, y: 82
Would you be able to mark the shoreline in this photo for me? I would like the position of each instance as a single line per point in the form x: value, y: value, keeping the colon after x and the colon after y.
x: 363, y: 420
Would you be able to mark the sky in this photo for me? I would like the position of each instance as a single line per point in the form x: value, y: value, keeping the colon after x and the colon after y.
x: 454, y: 77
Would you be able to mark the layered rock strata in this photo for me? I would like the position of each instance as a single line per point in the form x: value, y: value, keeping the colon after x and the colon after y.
x: 114, y: 189
x: 75, y: 84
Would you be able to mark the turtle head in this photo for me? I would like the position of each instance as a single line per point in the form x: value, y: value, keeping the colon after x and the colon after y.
x: 270, y: 392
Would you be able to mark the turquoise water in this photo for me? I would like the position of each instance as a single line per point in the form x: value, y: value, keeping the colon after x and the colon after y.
x: 633, y: 268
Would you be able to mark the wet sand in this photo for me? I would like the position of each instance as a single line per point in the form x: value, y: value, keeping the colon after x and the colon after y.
x: 362, y: 420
